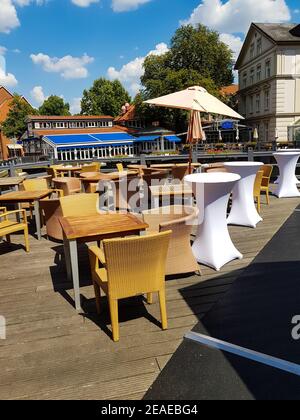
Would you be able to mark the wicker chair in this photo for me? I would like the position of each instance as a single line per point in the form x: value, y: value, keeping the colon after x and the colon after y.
x: 80, y: 205
x: 68, y: 185
x: 265, y: 186
x: 130, y: 267
x: 52, y: 212
x: 7, y: 226
x: 178, y: 219
x: 257, y: 189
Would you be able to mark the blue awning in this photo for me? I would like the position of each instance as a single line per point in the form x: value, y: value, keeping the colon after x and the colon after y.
x: 92, y: 140
x: 146, y: 138
x: 173, y: 139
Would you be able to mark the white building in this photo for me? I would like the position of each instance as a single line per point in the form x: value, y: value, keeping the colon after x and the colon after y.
x: 269, y: 79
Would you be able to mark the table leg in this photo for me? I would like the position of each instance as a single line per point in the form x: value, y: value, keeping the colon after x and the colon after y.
x: 37, y: 217
x: 75, y: 273
x: 67, y: 259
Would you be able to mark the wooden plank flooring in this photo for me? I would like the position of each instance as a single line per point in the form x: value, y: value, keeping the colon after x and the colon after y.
x: 53, y: 353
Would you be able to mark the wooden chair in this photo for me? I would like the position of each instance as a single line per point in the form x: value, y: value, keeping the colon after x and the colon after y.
x: 178, y: 219
x: 120, y: 167
x: 80, y: 205
x: 52, y: 212
x: 130, y: 267
x: 53, y: 172
x: 7, y: 226
x: 94, y: 167
x: 67, y: 185
x: 265, y: 186
x: 257, y: 189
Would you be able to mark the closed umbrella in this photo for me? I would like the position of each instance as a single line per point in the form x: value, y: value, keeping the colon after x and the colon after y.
x: 197, y: 100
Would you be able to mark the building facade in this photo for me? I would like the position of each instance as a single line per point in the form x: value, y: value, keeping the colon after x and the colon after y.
x: 91, y: 137
x: 269, y: 79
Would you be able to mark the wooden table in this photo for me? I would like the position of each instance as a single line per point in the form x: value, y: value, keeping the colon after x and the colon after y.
x: 158, y: 192
x: 34, y: 197
x: 93, y: 178
x: 70, y: 170
x: 91, y: 229
x: 11, y: 182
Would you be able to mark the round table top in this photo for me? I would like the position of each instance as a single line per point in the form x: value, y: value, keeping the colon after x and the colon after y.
x: 288, y: 150
x: 212, y: 178
x: 244, y: 164
x: 287, y: 153
x: 68, y: 168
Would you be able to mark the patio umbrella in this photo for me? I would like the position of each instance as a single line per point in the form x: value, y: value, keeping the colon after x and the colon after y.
x: 255, y: 134
x: 195, y: 99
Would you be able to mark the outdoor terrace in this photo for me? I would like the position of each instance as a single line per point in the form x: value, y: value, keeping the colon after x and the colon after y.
x: 51, y: 352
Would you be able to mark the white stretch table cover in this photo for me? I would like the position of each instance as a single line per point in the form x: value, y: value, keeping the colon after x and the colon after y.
x: 243, y: 211
x: 213, y: 246
x: 287, y: 162
x: 288, y: 151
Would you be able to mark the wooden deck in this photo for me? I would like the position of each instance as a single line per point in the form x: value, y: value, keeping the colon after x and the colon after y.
x: 53, y: 353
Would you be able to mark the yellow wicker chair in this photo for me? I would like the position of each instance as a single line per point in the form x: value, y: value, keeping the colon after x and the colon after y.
x: 93, y: 167
x: 257, y: 189
x: 120, y: 167
x: 7, y: 226
x: 130, y: 267
x: 265, y: 186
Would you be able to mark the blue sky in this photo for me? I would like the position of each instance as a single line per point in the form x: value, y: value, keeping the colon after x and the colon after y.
x: 59, y: 47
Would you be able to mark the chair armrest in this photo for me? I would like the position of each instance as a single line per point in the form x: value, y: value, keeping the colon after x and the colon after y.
x: 8, y: 213
x: 98, y: 253
x: 3, y: 209
x: 58, y: 191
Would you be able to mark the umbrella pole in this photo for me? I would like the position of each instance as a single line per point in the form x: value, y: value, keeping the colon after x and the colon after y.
x: 190, y: 141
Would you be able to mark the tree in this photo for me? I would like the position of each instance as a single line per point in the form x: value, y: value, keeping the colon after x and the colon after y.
x: 55, y: 105
x: 15, y: 124
x: 196, y: 57
x: 105, y: 97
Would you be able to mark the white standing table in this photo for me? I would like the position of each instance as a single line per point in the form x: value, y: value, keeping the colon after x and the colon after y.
x: 287, y: 162
x: 243, y: 211
x: 213, y: 246
x: 288, y: 151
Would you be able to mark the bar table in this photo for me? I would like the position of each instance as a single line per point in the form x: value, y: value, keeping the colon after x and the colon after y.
x: 243, y: 211
x: 287, y: 162
x: 213, y: 246
x: 287, y: 151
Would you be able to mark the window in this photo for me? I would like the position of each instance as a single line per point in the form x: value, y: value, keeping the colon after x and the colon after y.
x: 36, y: 125
x: 252, y: 77
x: 266, y: 129
x: 251, y: 102
x: 252, y: 48
x: 259, y: 46
x: 91, y: 124
x: 268, y: 69
x: 245, y: 79
x: 258, y: 73
x: 267, y: 100
x: 258, y: 102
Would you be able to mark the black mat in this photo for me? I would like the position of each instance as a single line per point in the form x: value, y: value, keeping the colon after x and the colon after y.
x: 255, y: 313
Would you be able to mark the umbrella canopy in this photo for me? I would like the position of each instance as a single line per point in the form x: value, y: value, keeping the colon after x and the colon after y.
x: 195, y: 99
x: 255, y: 134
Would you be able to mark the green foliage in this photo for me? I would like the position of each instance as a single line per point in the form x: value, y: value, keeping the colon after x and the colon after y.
x: 54, y: 105
x: 15, y: 124
x: 196, y: 57
x: 105, y: 97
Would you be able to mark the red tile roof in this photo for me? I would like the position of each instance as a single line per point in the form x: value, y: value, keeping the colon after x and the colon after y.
x: 114, y: 129
x: 229, y: 90
x: 128, y: 116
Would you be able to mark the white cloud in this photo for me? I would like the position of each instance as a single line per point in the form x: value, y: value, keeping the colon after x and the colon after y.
x: 126, y: 5
x: 6, y: 79
x: 75, y: 105
x: 235, y: 43
x: 69, y: 67
x: 37, y: 94
x: 84, y: 3
x: 235, y: 16
x: 8, y: 16
x: 131, y: 73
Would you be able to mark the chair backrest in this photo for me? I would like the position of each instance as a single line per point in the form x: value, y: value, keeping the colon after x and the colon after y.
x: 258, y: 183
x: 136, y: 265
x: 127, y: 187
x: 80, y: 205
x: 36, y: 184
x: 52, y: 212
x: 120, y: 167
x: 158, y: 217
x: 267, y: 171
x: 68, y: 185
x: 89, y: 168
x: 97, y: 165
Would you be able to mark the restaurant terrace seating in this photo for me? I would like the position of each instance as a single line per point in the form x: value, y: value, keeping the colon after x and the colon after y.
x: 265, y: 186
x: 257, y: 189
x: 69, y: 185
x: 80, y: 205
x: 8, y: 226
x: 52, y: 212
x: 127, y: 268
